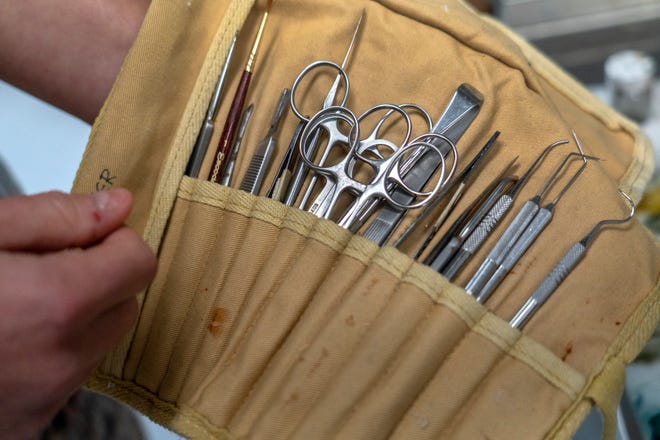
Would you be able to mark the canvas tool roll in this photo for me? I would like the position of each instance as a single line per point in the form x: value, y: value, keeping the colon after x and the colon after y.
x: 264, y: 321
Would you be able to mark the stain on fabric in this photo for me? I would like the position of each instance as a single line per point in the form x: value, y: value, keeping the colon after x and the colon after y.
x: 567, y: 351
x: 217, y: 320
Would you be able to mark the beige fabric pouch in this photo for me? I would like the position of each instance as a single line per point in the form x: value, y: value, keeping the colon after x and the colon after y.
x: 266, y: 322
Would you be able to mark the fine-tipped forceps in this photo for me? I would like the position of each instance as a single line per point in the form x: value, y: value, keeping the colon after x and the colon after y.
x: 494, y: 216
x: 494, y: 190
x: 372, y: 144
x: 260, y: 161
x: 277, y: 190
x: 299, y: 172
x: 442, y: 253
x: 512, y: 232
x: 563, y: 268
x: 530, y: 233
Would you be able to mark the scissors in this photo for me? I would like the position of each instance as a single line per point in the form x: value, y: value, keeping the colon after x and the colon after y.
x: 300, y: 171
x: 373, y: 145
x: 387, y: 168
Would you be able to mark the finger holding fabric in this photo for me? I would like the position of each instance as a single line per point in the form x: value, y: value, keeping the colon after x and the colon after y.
x: 69, y: 272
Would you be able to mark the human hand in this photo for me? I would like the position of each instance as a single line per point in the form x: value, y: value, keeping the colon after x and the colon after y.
x: 69, y: 272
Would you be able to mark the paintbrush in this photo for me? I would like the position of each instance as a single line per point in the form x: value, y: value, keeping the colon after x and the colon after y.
x: 234, y: 115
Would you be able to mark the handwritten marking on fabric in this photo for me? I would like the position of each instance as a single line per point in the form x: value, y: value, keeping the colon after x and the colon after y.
x: 105, y: 180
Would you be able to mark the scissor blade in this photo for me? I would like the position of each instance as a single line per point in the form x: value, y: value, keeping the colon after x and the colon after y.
x: 457, y: 117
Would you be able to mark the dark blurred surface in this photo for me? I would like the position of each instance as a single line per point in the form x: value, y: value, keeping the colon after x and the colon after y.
x: 91, y: 416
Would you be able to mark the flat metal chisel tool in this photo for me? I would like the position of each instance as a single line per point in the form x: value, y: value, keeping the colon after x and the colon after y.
x: 459, y: 114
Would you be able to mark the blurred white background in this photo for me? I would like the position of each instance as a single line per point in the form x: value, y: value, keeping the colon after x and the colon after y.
x: 42, y: 147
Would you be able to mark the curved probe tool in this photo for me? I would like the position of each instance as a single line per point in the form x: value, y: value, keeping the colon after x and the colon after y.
x: 563, y: 268
x: 527, y: 235
x: 509, y: 237
x: 496, y: 213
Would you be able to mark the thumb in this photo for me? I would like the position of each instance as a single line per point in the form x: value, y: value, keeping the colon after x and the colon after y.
x: 55, y: 220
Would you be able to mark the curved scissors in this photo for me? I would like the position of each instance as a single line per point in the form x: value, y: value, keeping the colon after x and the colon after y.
x: 338, y: 175
x: 388, y: 178
x: 387, y: 175
x: 373, y: 144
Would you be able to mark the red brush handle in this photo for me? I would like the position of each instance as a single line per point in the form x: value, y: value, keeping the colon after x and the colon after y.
x: 229, y: 130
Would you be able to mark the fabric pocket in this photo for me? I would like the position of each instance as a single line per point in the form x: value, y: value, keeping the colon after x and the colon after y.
x: 270, y: 323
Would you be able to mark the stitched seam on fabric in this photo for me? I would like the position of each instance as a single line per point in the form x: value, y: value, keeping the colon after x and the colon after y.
x: 304, y: 230
x: 254, y: 320
x: 220, y: 285
x: 416, y: 278
x: 559, y: 427
x: 302, y: 349
x: 569, y: 422
x: 151, y: 327
x: 570, y: 387
x: 462, y: 411
x: 361, y: 337
x: 518, y: 352
x: 260, y: 310
x: 206, y: 263
x: 173, y: 165
x: 142, y: 399
x: 556, y: 379
x: 389, y: 367
x: 457, y: 414
x: 252, y: 389
x: 158, y: 215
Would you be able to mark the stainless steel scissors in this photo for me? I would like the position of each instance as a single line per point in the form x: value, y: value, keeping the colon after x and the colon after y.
x: 386, y: 168
x: 300, y: 171
x: 372, y: 144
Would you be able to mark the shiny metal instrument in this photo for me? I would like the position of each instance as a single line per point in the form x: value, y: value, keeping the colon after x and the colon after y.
x: 530, y: 232
x: 447, y: 248
x: 457, y: 117
x: 563, y: 268
x: 299, y: 173
x: 208, y: 126
x: 511, y: 235
x: 492, y: 219
x: 233, y: 154
x: 458, y: 185
x: 260, y: 161
x: 384, y: 158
